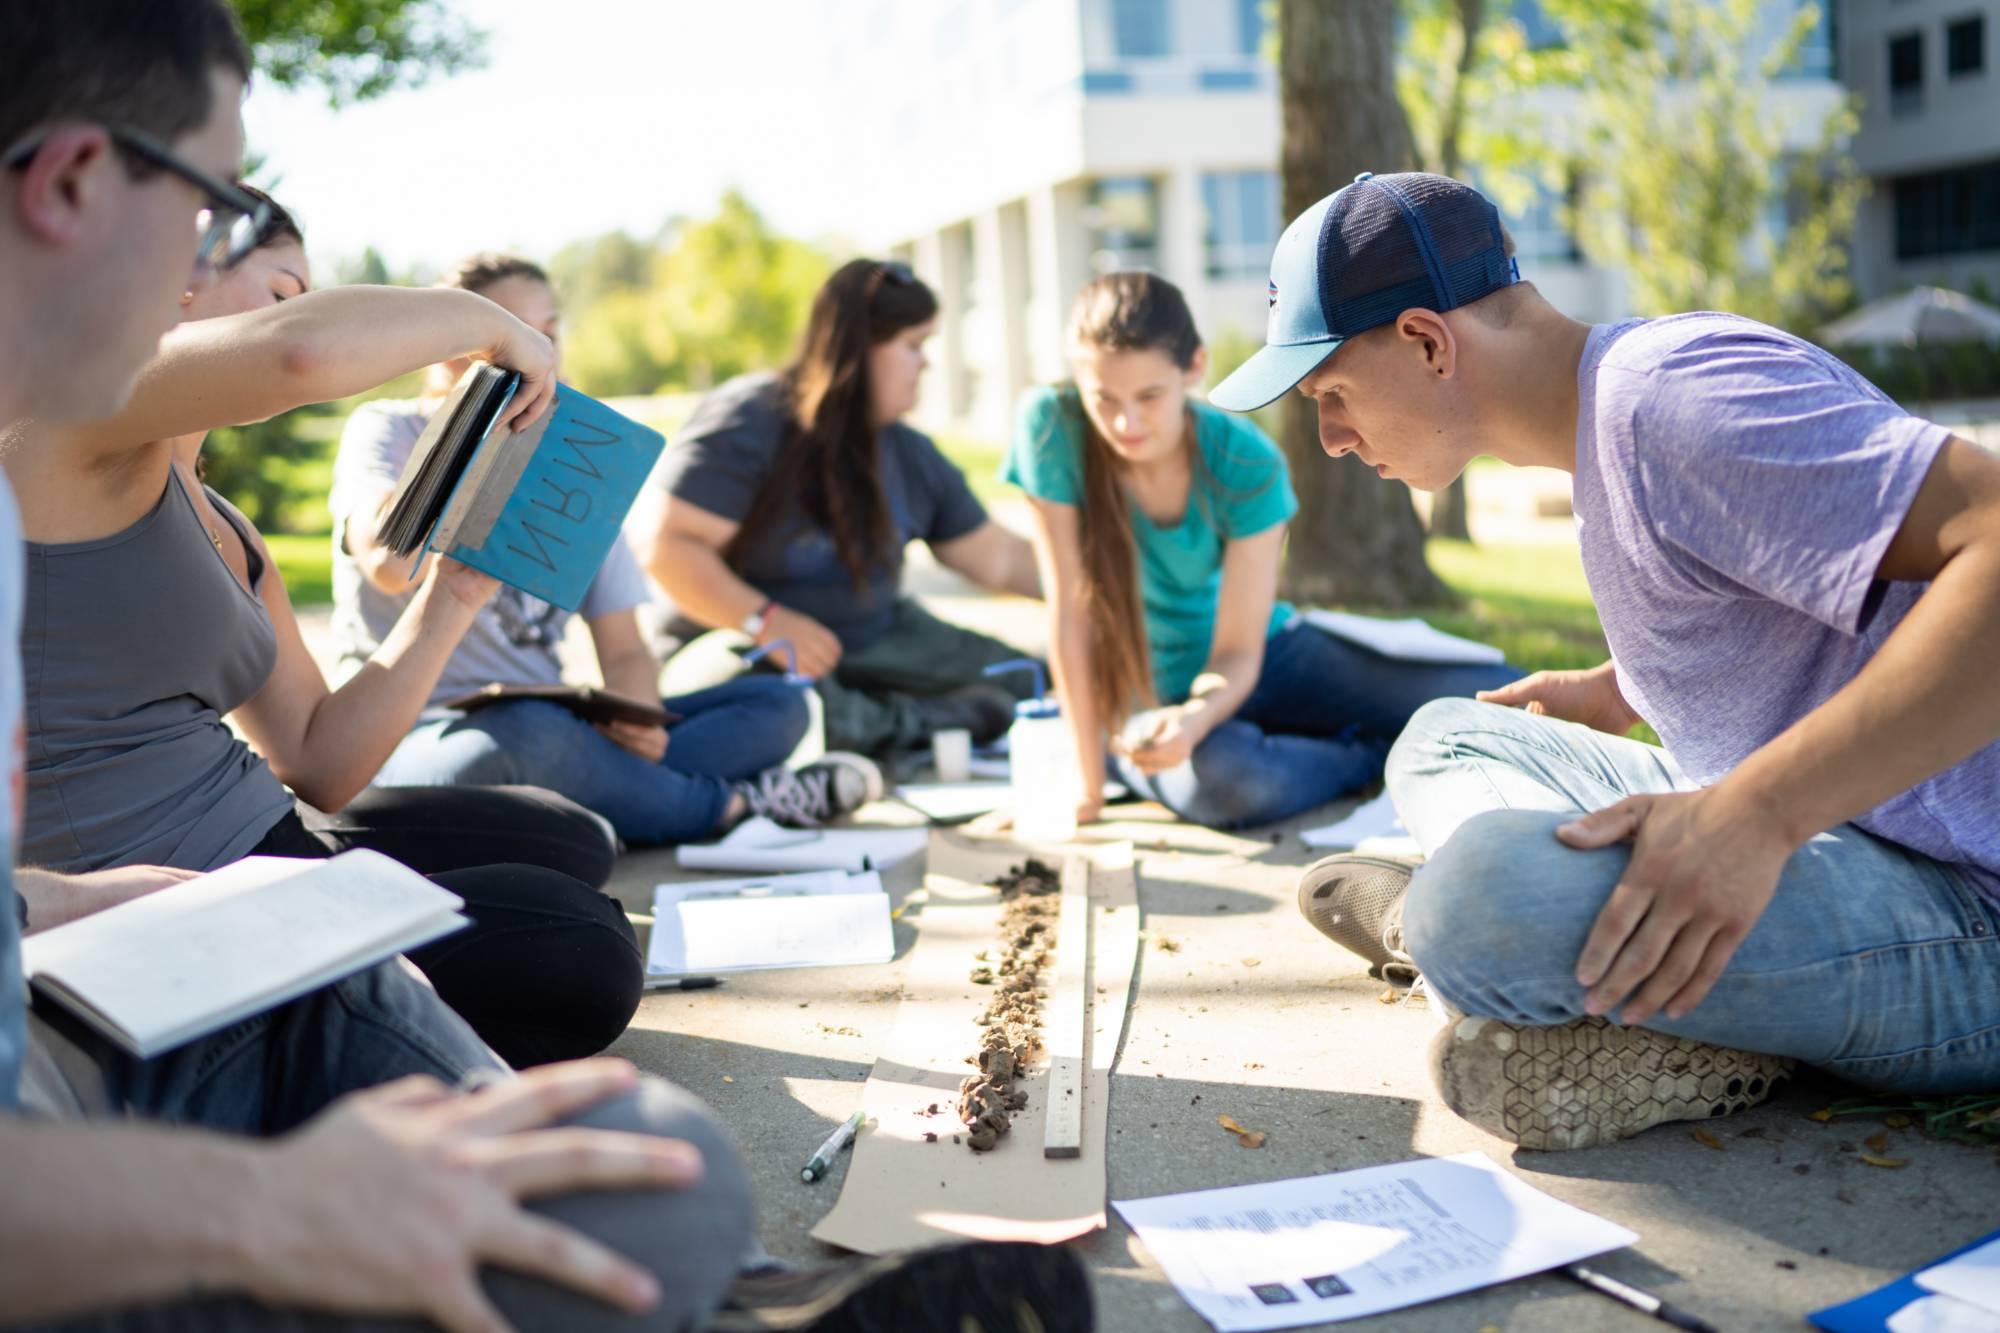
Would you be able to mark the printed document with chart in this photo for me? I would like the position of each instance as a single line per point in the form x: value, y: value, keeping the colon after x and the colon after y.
x: 1355, y: 1243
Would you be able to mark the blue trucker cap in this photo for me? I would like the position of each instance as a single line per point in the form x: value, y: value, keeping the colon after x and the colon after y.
x: 1360, y: 257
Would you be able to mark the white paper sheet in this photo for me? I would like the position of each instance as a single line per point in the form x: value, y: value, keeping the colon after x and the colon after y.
x: 1372, y: 826
x: 759, y: 846
x: 767, y: 924
x: 804, y: 881
x: 1973, y: 1277
x: 1410, y: 640
x: 1355, y: 1243
x: 1941, y: 1314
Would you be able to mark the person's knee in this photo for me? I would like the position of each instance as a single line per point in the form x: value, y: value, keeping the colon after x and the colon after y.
x: 580, y: 842
x: 1426, y: 740
x: 693, y: 1240
x: 1503, y: 903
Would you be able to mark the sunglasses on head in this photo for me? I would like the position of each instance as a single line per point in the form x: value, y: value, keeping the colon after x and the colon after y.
x: 231, y: 224
x: 894, y: 270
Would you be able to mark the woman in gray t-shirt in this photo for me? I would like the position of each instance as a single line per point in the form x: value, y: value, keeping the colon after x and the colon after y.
x: 786, y: 503
x: 154, y: 611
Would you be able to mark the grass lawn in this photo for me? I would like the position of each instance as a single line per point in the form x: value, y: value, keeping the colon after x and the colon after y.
x: 307, y: 564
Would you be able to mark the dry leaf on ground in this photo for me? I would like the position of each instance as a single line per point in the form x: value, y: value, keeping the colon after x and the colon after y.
x: 1707, y: 1140
x: 1886, y: 1163
x: 1897, y: 1121
x: 1248, y: 1138
x: 1822, y: 1116
x: 1877, y: 1143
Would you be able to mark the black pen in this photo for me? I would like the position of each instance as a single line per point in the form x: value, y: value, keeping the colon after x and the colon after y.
x: 1642, y: 1301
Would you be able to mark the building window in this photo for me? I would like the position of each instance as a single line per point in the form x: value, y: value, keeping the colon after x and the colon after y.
x: 1140, y: 28
x: 1253, y: 21
x: 1948, y: 212
x: 1965, y: 47
x: 1241, y: 228
x: 1123, y: 215
x: 1906, y: 73
x: 1815, y: 57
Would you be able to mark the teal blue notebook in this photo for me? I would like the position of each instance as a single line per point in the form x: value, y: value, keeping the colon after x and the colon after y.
x: 538, y: 509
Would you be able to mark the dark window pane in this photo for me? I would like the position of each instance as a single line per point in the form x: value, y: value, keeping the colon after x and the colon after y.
x: 1948, y: 212
x: 1965, y: 46
x: 1906, y: 72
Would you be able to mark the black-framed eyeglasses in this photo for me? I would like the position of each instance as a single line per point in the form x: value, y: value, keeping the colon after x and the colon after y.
x: 231, y: 224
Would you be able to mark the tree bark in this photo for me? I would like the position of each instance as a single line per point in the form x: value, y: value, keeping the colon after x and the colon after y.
x: 1450, y: 516
x: 1356, y: 539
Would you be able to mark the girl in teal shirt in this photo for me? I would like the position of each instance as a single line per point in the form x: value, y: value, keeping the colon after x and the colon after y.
x: 1159, y: 525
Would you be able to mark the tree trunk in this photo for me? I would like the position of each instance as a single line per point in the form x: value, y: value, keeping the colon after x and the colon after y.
x: 1449, y: 508
x: 1357, y: 539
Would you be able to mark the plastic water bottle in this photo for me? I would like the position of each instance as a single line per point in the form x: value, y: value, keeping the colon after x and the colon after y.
x: 813, y: 744
x: 1042, y: 769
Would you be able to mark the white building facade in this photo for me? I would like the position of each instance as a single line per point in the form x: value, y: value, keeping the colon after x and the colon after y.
x: 1037, y: 143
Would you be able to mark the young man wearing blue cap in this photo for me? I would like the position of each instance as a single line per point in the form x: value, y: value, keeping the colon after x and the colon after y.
x: 1800, y: 585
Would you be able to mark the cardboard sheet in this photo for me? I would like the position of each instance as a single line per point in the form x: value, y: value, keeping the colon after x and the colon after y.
x: 900, y: 1192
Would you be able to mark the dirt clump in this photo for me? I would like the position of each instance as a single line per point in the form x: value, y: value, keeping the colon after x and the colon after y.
x: 1030, y: 906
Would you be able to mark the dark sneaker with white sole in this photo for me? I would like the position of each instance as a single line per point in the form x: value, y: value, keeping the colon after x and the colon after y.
x: 1589, y: 1082
x: 1356, y: 900
x: 975, y: 1287
x: 835, y: 784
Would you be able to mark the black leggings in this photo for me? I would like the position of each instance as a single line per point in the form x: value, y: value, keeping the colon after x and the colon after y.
x: 550, y: 968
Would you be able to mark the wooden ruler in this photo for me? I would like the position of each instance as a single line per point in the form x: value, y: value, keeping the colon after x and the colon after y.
x: 1063, y: 1021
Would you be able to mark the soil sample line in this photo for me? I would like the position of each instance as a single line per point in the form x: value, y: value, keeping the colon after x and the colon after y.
x: 988, y: 1100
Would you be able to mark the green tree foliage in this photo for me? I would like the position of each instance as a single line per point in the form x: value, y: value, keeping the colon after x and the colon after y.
x: 357, y: 49
x: 1683, y: 160
x: 709, y: 299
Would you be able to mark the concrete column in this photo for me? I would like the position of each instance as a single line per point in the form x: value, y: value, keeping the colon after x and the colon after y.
x: 1183, y: 249
x: 991, y: 344
x: 942, y: 387
x: 1058, y: 252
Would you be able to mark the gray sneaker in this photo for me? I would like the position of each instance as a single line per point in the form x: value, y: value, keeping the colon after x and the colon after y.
x: 1589, y: 1082
x: 1357, y: 902
x: 835, y: 784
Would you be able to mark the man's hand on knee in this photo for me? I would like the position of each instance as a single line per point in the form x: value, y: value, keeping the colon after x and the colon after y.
x: 1591, y: 698
x: 390, y: 1201
x: 1702, y: 872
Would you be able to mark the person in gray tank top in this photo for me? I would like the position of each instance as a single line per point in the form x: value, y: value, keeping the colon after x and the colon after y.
x: 153, y: 612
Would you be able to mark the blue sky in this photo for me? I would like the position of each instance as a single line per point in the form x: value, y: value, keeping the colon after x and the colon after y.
x: 590, y: 115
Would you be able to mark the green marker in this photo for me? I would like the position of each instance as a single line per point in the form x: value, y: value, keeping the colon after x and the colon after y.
x: 835, y: 1141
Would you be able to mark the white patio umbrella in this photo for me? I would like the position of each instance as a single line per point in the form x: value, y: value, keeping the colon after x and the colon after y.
x: 1922, y: 316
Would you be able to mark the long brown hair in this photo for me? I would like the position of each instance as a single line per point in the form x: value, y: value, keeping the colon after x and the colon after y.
x: 828, y: 466
x: 1123, y: 312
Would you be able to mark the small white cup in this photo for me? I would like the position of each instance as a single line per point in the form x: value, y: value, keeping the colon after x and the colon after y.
x: 951, y: 753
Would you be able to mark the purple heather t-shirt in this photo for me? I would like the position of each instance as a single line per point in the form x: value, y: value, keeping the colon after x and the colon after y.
x: 1736, y: 488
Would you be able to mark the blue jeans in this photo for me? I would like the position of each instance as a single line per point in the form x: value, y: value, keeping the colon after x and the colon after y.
x: 728, y: 733
x: 272, y: 1073
x: 1316, y: 727
x: 1873, y: 962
